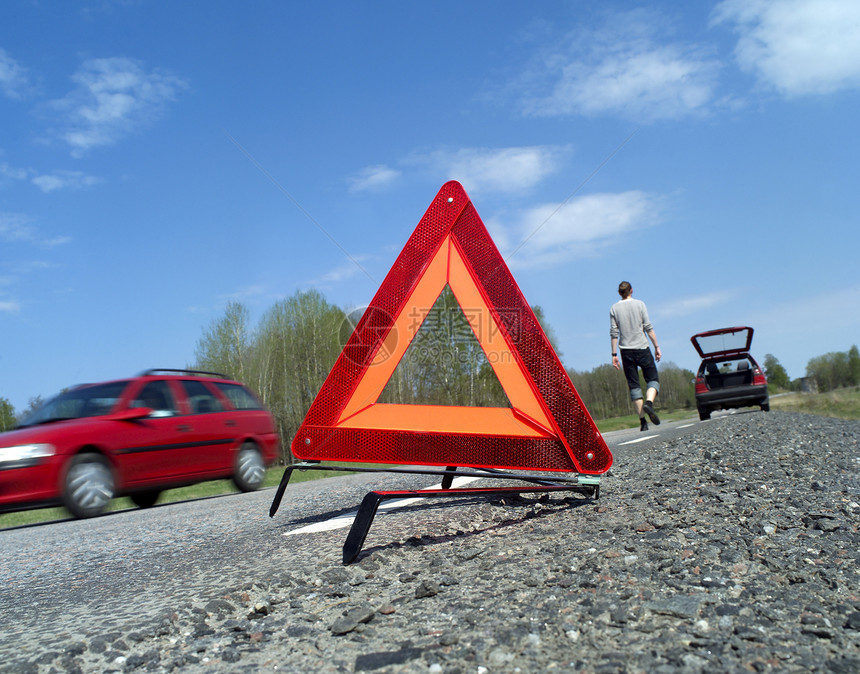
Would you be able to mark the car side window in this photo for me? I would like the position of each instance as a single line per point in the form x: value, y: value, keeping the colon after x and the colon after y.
x: 156, y: 395
x: 240, y: 397
x: 201, y: 399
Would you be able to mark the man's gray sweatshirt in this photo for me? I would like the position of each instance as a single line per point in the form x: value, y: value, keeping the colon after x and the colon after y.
x: 629, y: 322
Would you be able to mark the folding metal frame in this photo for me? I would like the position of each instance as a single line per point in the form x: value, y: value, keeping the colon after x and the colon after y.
x: 588, y: 485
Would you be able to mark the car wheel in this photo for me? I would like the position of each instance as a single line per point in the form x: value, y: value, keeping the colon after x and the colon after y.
x: 250, y: 469
x: 89, y: 485
x: 704, y: 414
x: 145, y: 499
x: 765, y: 407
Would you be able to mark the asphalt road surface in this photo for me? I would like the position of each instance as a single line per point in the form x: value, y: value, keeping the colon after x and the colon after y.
x: 73, y: 577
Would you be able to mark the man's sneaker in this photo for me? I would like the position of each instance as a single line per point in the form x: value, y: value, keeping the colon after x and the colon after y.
x: 643, y: 425
x: 649, y: 410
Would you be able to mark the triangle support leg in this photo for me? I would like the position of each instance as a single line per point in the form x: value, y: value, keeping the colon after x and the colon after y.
x: 448, y: 480
x: 370, y: 505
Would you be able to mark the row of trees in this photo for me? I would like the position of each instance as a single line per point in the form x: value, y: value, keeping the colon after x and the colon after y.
x: 777, y: 377
x: 604, y: 390
x: 835, y: 370
x: 838, y: 369
x: 288, y: 355
x: 7, y: 415
x: 285, y: 360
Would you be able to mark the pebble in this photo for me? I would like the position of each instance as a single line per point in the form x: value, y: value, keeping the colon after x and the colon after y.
x: 734, y: 548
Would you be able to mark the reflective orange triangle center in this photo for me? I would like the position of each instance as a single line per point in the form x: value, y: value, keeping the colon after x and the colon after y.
x: 527, y: 416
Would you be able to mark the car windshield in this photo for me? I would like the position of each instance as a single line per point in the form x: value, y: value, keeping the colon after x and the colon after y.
x: 84, y: 401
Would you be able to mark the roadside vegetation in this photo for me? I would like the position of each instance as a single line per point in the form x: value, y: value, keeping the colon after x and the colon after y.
x: 840, y: 404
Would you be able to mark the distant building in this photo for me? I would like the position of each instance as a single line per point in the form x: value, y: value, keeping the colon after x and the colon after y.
x: 808, y: 385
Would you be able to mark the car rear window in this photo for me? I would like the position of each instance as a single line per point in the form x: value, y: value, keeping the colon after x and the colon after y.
x: 727, y: 366
x: 156, y: 395
x: 200, y: 398
x: 240, y: 397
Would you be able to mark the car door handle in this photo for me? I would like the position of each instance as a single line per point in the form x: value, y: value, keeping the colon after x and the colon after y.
x: 230, y: 422
x: 183, y: 427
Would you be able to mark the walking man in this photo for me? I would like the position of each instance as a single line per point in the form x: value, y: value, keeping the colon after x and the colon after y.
x: 628, y: 326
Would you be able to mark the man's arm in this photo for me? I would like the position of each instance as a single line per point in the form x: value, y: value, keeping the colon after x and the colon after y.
x: 613, y: 338
x: 653, y: 337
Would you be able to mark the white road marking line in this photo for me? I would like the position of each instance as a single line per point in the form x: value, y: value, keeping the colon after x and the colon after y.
x: 343, y: 521
x: 632, y: 442
x: 686, y: 426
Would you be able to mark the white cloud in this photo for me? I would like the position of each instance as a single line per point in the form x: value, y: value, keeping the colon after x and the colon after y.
x: 64, y: 180
x: 551, y: 234
x: 114, y: 97
x: 338, y: 274
x: 56, y: 241
x: 13, y: 77
x: 686, y: 306
x: 642, y: 83
x: 622, y: 70
x: 373, y: 178
x: 9, y: 307
x: 797, y: 46
x: 801, y: 328
x: 15, y: 227
x: 8, y: 171
x: 354, y: 267
x: 510, y: 169
x: 822, y: 313
x: 244, y: 294
x: 57, y: 180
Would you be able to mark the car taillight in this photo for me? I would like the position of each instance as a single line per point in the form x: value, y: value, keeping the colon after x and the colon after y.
x: 701, y: 386
x: 759, y: 378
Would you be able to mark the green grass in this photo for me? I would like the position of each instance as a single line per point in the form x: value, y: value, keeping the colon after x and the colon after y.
x: 840, y: 404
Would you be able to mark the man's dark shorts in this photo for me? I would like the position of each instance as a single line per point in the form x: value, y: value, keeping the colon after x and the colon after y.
x: 632, y: 360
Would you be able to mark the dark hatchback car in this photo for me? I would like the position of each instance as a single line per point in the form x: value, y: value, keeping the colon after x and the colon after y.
x: 729, y: 376
x: 136, y: 437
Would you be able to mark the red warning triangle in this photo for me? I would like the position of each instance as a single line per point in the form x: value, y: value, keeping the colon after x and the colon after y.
x: 547, y: 426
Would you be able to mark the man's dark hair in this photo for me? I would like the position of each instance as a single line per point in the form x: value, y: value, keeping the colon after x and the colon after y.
x: 624, y: 289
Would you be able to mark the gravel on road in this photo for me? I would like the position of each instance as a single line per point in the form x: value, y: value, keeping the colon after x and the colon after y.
x: 733, y: 549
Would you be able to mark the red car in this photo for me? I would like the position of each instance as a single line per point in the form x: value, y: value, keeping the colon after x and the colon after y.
x: 136, y: 437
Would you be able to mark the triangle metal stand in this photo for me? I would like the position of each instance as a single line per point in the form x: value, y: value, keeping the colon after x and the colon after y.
x: 588, y: 485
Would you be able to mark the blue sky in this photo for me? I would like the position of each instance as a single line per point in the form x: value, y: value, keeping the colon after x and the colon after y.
x: 158, y: 160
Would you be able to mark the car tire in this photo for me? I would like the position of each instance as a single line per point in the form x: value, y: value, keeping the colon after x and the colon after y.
x: 250, y: 468
x: 704, y: 414
x: 88, y: 486
x: 765, y: 407
x: 145, y: 499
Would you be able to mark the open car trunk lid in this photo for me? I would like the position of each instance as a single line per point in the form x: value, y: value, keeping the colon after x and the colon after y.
x: 723, y: 342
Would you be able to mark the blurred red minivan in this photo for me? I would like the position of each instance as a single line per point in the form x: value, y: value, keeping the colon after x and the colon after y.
x: 136, y: 437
